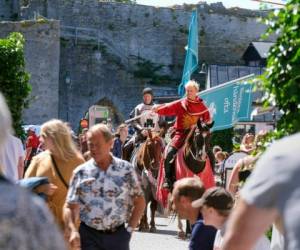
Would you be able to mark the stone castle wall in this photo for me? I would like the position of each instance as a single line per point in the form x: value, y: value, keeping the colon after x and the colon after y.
x: 42, y: 62
x: 102, y: 43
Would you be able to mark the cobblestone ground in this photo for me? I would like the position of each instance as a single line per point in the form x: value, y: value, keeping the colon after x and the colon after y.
x: 164, y: 239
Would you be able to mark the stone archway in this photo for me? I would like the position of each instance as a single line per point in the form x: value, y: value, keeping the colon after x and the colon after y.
x: 116, y: 117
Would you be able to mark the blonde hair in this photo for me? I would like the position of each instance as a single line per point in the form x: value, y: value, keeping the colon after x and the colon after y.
x: 192, y: 83
x: 60, y: 135
x: 121, y: 126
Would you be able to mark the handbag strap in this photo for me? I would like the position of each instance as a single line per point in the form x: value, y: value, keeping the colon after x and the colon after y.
x: 58, y: 172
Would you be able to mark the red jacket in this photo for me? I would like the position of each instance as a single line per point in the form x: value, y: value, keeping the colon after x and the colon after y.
x: 187, y: 112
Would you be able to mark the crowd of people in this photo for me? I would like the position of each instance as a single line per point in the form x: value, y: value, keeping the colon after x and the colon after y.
x: 95, y: 198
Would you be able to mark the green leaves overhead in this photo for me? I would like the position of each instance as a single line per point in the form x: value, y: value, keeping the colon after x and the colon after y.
x: 282, y: 77
x: 13, y: 77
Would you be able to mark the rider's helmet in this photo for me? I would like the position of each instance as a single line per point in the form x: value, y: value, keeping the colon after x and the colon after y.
x: 147, y: 91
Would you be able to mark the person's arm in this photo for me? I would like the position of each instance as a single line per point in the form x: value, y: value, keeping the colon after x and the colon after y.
x: 206, y: 117
x: 139, y: 205
x: 246, y: 224
x: 71, y: 215
x: 28, y: 148
x: 28, y: 153
x: 20, y: 167
x: 168, y: 109
x: 47, y: 189
x: 232, y: 185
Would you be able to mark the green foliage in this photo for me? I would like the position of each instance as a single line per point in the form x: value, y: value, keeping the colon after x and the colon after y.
x: 111, y: 26
x: 130, y: 22
x: 150, y: 70
x: 13, y: 77
x: 202, y: 32
x: 183, y: 30
x: 223, y: 138
x: 156, y: 23
x: 174, y: 16
x: 281, y: 81
x: 269, y: 233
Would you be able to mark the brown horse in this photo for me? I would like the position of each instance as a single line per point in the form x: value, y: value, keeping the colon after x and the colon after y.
x: 146, y: 161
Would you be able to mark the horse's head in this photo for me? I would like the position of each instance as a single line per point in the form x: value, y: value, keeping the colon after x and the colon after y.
x: 196, y: 146
x: 150, y: 154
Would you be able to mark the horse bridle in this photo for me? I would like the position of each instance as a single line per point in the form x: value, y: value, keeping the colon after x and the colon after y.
x: 194, y: 142
x: 153, y: 139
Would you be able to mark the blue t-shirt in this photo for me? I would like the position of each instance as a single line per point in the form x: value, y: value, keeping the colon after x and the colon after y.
x: 202, y: 237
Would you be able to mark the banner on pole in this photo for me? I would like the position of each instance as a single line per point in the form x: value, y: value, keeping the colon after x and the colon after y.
x: 229, y: 103
x: 191, y: 57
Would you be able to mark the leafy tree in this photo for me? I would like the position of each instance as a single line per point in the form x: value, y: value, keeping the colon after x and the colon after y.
x: 13, y: 77
x: 223, y: 138
x: 150, y: 70
x: 281, y: 81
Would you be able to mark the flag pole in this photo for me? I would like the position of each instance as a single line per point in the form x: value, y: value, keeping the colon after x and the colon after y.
x: 224, y: 84
x: 267, y: 1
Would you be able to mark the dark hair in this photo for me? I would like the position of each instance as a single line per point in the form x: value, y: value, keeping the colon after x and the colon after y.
x: 218, y: 198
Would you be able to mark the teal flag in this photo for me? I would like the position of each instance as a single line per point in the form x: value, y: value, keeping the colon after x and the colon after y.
x: 229, y: 103
x: 191, y: 57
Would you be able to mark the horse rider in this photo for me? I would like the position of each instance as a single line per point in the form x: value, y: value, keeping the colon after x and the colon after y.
x: 147, y: 119
x: 187, y: 111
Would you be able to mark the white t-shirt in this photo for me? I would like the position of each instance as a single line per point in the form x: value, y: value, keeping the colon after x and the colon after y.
x: 262, y: 244
x: 10, y: 153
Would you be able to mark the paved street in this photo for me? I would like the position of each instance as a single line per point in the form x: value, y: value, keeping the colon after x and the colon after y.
x: 164, y: 238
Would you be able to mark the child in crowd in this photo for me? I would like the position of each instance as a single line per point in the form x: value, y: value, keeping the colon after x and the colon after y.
x: 216, y: 205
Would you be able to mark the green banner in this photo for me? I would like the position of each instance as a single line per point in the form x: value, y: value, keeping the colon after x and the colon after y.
x: 229, y: 103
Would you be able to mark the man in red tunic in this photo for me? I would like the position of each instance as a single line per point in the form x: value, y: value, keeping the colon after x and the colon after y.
x: 187, y: 111
x: 32, y: 143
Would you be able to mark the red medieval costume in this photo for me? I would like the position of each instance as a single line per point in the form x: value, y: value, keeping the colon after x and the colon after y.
x: 187, y: 113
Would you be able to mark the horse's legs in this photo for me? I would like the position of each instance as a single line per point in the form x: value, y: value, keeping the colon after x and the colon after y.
x: 153, y: 208
x: 144, y: 221
x: 181, y: 233
x: 188, y: 229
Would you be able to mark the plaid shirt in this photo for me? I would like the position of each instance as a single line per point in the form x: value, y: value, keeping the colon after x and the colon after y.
x: 105, y: 197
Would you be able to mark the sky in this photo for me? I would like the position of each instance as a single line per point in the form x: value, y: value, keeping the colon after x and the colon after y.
x: 247, y: 4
